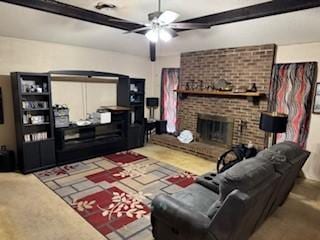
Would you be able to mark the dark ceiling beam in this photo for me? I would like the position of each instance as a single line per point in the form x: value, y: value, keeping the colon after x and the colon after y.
x: 71, y: 11
x: 242, y: 14
x: 247, y: 13
x: 256, y: 11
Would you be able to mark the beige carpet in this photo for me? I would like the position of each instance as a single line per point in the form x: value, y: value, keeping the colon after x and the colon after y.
x: 31, y: 211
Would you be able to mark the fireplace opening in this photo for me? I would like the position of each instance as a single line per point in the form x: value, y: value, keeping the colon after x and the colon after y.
x: 215, y: 129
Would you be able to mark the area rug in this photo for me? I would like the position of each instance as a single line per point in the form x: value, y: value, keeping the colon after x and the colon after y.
x: 114, y: 193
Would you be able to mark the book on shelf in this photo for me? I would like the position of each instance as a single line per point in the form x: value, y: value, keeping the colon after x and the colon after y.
x: 35, y: 136
x: 29, y: 105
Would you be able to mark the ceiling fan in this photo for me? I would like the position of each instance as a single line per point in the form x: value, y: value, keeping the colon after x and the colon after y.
x: 162, y: 25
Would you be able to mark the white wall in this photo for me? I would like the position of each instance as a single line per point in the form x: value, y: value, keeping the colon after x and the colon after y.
x: 85, y: 98
x: 35, y: 56
x: 27, y: 55
x: 306, y: 53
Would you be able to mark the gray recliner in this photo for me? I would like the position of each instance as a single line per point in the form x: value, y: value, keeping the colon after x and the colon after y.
x: 231, y: 205
x: 288, y: 159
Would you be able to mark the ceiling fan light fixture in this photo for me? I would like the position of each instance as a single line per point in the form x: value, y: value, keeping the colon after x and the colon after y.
x: 153, y: 35
x: 165, y: 35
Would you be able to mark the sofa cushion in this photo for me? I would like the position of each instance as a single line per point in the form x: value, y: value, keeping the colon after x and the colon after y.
x: 291, y: 150
x: 284, y: 155
x: 197, y: 197
x: 278, y: 160
x: 245, y: 176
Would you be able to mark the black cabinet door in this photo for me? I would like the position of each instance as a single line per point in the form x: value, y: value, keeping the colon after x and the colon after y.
x: 47, y: 153
x: 31, y: 157
x: 135, y: 136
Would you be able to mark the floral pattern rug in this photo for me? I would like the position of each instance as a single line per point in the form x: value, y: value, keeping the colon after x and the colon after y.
x: 114, y: 193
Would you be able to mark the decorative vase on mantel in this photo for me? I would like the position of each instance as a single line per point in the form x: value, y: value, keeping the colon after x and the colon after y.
x: 223, y: 85
x: 253, y: 88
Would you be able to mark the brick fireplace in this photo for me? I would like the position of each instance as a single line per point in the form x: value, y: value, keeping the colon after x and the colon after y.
x: 215, y: 130
x: 240, y: 66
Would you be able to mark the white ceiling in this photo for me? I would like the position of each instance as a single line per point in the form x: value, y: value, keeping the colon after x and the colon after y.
x: 137, y: 10
x: 286, y: 29
x: 297, y: 27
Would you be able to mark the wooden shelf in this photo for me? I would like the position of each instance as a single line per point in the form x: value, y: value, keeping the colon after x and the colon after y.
x: 36, y: 124
x: 35, y: 141
x: 36, y: 109
x: 251, y: 96
x: 35, y: 94
x: 115, y: 108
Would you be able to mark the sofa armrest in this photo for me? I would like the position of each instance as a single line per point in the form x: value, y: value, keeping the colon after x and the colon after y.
x: 230, y: 217
x: 210, y: 180
x: 180, y: 217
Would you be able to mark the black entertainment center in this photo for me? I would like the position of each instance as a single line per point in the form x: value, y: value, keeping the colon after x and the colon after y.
x: 40, y: 145
x: 134, y: 100
x: 33, y: 120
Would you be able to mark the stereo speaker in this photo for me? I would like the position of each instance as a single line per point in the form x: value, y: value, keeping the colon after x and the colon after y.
x: 7, y: 161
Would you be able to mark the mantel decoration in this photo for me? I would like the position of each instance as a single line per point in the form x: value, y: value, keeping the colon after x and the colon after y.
x: 220, y: 88
x: 218, y: 85
x: 316, y: 104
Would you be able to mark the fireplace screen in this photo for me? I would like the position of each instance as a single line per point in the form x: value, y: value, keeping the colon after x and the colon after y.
x: 215, y: 129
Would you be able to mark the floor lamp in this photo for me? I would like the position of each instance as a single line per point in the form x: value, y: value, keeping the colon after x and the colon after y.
x: 273, y: 123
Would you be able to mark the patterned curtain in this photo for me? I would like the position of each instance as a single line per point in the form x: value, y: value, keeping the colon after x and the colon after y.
x: 169, y: 83
x: 291, y: 91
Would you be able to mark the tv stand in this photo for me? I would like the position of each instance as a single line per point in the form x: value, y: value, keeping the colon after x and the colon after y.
x: 76, y: 143
x: 40, y: 145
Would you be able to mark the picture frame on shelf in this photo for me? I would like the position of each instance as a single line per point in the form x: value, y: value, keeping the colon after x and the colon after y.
x: 316, y: 103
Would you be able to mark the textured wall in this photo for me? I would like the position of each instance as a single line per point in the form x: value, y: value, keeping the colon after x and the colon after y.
x: 34, y: 56
x: 240, y: 66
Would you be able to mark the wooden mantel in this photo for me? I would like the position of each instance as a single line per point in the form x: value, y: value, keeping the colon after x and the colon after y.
x: 251, y: 96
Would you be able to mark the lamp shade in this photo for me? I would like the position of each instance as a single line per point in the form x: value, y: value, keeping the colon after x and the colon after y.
x: 152, y: 102
x: 273, y: 122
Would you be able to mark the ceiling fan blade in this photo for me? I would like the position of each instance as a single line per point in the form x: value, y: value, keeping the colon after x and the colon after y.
x: 127, y: 21
x: 154, y: 15
x: 168, y: 17
x: 172, y: 32
x: 120, y: 20
x: 139, y: 30
x: 189, y: 25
